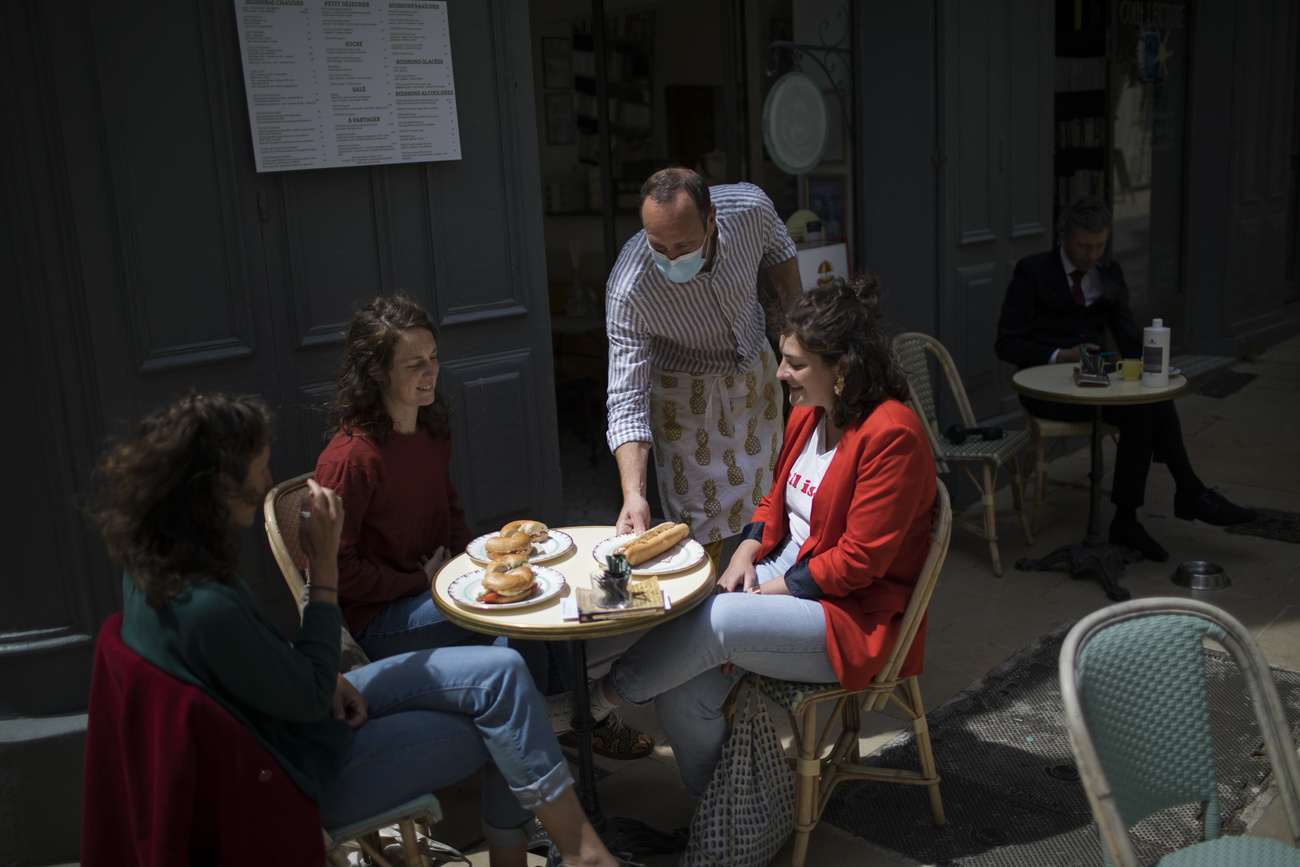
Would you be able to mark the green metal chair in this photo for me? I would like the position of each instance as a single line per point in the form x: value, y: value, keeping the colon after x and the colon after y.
x: 1137, y: 710
x: 990, y: 455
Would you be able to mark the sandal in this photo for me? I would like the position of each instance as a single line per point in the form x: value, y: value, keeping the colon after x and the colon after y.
x: 614, y: 739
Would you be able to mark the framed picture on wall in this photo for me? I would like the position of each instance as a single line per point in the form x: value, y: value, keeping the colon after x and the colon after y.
x: 557, y: 63
x: 561, y: 124
x: 835, y: 144
x: 824, y: 196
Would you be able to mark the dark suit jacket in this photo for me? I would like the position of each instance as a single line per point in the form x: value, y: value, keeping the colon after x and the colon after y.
x: 1039, y: 315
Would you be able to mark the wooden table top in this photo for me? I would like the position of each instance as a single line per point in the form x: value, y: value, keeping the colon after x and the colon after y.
x: 1056, y: 382
x: 543, y: 621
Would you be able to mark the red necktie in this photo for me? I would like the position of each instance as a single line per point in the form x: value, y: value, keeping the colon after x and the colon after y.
x: 1076, y: 284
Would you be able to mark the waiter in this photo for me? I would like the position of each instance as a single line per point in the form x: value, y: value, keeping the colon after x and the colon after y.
x: 690, y: 367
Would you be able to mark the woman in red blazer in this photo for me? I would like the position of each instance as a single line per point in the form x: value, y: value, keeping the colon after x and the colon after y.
x: 826, y: 568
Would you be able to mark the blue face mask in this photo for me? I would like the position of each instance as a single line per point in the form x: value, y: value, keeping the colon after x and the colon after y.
x: 684, y: 268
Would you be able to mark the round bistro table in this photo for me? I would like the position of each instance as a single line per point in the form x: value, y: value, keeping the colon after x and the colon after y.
x: 544, y: 622
x: 1055, y: 382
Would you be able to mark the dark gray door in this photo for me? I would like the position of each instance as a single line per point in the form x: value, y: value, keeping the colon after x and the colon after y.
x: 152, y: 259
x: 997, y: 62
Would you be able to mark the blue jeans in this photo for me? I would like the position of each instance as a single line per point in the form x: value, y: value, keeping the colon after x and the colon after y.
x: 676, y: 664
x: 437, y: 716
x: 415, y: 623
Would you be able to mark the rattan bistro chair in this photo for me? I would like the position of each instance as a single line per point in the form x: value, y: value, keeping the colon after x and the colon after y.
x: 817, y: 775
x: 282, y: 510
x: 991, y: 455
x: 1137, y: 710
x: 1041, y: 431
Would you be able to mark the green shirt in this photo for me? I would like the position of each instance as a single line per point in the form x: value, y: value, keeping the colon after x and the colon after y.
x: 216, y: 637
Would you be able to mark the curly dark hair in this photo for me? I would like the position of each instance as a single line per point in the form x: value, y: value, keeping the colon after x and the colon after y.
x: 844, y: 319
x: 370, y: 341
x: 163, y: 510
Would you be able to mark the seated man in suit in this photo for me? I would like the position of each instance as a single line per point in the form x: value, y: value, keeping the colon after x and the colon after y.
x: 1068, y: 296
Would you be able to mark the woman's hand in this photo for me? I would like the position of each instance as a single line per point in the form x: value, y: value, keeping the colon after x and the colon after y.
x: 739, y: 574
x: 434, y: 561
x: 349, y: 704
x: 321, y: 526
x: 773, y: 587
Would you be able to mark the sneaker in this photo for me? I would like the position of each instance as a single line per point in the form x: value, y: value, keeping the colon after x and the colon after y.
x: 560, y: 707
x: 1131, y: 535
x: 1213, y: 508
x: 613, y: 738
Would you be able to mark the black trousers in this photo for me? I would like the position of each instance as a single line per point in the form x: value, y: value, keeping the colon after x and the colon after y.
x: 1145, y: 429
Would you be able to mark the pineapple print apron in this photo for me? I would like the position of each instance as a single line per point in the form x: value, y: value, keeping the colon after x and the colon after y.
x: 716, y: 439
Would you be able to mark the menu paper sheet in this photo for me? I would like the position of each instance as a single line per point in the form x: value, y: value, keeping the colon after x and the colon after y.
x: 347, y: 82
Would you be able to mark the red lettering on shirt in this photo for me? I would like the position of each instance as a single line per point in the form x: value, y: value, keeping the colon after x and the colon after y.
x: 793, y: 480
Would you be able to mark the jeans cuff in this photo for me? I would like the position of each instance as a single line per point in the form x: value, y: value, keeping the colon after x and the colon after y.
x: 552, y: 784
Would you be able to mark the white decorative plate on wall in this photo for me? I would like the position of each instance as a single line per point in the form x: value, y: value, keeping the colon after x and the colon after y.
x: 795, y: 123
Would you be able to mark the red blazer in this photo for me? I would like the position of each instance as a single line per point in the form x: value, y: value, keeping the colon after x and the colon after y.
x: 171, y: 778
x: 868, y: 538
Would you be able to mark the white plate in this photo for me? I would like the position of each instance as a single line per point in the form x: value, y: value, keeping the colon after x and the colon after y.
x: 465, y: 590
x: 558, y: 543
x: 681, y: 556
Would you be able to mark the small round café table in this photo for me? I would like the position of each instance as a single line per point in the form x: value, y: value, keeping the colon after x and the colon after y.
x: 545, y: 622
x: 1055, y: 382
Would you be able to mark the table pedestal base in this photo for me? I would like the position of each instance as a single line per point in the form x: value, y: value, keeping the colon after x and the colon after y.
x: 1104, y: 559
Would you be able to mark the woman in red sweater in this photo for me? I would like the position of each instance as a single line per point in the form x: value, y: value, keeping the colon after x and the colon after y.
x: 389, y: 460
x: 816, y: 591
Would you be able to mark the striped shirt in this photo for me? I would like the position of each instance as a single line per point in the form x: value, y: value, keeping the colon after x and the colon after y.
x: 712, y: 324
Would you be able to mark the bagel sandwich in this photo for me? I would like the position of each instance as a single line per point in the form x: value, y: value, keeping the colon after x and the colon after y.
x: 514, y: 585
x: 508, y: 543
x: 536, y: 531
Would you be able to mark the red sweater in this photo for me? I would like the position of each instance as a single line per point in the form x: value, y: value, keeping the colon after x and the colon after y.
x: 868, y: 538
x: 400, y: 506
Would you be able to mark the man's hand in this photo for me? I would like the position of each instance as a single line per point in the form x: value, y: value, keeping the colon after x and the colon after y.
x: 1070, y: 354
x: 635, y: 517
x: 631, y: 458
x: 349, y: 704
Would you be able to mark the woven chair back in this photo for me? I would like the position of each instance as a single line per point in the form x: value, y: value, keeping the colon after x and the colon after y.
x: 912, y: 348
x: 282, y: 509
x: 1142, y: 687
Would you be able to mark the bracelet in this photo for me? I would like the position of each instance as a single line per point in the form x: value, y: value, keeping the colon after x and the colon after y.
x: 313, y: 586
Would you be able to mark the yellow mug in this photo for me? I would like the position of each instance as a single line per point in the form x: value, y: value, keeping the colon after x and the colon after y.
x: 1130, y: 369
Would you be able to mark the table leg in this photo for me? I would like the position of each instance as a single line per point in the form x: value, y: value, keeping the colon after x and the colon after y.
x: 582, y: 725
x: 619, y: 834
x: 1095, y: 554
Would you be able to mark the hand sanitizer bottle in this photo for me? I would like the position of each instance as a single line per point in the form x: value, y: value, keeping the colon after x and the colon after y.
x: 1155, y: 355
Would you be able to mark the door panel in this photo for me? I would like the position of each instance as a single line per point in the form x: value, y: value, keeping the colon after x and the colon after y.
x: 996, y: 59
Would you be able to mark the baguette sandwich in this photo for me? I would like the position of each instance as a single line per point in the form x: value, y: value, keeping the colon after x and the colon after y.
x: 653, y: 542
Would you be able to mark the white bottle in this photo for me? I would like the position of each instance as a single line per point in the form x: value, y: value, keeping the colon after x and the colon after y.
x: 1155, y: 355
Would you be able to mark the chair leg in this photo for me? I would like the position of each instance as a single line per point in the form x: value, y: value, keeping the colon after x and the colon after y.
x: 372, y: 846
x: 990, y: 517
x: 923, y: 748
x: 1040, y: 479
x: 807, y: 777
x: 410, y: 845
x: 1018, y: 499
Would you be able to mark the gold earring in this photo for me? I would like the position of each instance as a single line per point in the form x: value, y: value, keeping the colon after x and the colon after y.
x: 839, y: 385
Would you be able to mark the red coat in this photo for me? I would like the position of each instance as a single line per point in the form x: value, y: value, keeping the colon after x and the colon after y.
x: 171, y: 778
x: 868, y: 538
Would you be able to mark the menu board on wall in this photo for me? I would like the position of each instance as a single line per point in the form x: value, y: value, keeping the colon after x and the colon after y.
x: 347, y: 82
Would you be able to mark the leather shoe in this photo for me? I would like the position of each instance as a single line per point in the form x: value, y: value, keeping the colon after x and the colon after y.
x: 1213, y: 508
x: 1131, y: 535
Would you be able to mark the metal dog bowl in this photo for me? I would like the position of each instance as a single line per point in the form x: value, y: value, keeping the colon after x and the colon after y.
x: 1201, y: 575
